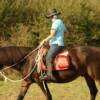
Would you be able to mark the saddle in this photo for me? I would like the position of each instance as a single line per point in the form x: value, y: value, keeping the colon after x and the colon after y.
x: 61, y: 62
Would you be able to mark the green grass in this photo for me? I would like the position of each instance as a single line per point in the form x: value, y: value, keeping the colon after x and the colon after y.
x: 76, y: 90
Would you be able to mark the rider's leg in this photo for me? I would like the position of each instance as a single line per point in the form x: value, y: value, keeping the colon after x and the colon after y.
x: 53, y: 51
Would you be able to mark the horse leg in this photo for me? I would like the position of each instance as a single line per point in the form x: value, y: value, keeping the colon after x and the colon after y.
x: 44, y: 87
x: 26, y: 83
x: 24, y: 87
x: 92, y: 86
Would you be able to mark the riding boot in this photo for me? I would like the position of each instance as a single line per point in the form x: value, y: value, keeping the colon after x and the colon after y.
x: 48, y: 75
x: 49, y: 72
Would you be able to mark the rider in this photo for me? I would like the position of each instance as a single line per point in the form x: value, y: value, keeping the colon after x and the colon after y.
x: 56, y: 40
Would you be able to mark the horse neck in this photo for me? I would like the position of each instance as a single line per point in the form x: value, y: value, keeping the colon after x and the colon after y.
x: 22, y: 53
x: 25, y: 50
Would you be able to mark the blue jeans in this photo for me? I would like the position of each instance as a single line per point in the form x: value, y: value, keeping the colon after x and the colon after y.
x: 52, y: 52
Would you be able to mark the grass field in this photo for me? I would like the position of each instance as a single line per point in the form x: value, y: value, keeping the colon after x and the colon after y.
x: 76, y: 90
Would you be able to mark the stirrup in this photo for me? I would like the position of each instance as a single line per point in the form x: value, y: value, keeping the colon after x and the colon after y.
x: 45, y: 77
x: 42, y: 75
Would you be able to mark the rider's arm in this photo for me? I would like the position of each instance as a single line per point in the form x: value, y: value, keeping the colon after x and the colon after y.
x: 52, y: 33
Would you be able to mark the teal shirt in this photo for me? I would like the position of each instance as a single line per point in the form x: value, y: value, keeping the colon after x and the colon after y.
x: 59, y: 26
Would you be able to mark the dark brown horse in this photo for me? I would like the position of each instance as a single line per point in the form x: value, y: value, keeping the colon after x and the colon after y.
x: 85, y: 62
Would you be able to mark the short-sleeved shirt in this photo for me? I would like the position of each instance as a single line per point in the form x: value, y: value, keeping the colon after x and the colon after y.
x: 58, y: 38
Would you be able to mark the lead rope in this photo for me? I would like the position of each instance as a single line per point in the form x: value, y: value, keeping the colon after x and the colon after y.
x: 2, y: 74
x: 6, y: 78
x: 39, y: 59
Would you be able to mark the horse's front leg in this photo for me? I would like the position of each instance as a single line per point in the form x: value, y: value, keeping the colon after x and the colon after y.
x: 24, y: 87
x: 43, y: 85
x: 92, y: 86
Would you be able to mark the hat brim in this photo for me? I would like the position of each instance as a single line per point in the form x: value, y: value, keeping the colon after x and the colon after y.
x: 50, y: 15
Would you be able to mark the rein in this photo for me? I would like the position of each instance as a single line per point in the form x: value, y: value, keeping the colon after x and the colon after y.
x: 2, y: 74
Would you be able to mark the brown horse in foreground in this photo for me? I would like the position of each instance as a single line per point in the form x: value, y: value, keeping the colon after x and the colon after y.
x: 85, y: 62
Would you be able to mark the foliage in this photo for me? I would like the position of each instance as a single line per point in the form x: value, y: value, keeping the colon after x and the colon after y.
x: 22, y: 20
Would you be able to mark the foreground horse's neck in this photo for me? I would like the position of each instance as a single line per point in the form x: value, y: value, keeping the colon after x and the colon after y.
x: 13, y: 55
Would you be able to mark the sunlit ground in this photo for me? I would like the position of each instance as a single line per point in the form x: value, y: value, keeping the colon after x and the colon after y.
x: 76, y: 90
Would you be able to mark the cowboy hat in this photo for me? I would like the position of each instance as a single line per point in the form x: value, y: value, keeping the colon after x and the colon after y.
x: 52, y: 12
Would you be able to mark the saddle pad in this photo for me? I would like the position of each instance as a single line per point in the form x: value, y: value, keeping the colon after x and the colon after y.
x: 62, y: 61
